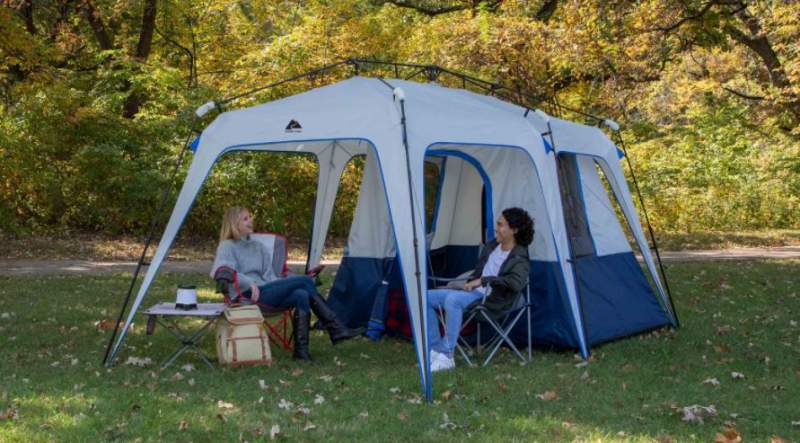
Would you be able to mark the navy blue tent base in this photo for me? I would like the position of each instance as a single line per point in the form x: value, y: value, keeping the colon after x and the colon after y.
x: 615, y: 298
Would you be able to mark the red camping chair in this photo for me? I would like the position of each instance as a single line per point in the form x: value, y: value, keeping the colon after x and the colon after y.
x: 277, y: 330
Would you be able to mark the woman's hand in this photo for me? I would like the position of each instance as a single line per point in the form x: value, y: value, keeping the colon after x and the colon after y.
x: 472, y: 284
x: 254, y: 293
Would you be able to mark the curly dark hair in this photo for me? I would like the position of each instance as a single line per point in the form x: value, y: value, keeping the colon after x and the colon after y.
x: 518, y: 218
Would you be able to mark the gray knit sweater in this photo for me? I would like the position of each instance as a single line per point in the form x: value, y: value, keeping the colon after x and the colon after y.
x: 251, y: 259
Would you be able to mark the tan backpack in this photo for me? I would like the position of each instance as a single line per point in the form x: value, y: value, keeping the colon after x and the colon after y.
x: 241, y: 340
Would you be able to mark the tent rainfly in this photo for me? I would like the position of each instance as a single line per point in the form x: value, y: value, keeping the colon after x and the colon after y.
x: 586, y: 283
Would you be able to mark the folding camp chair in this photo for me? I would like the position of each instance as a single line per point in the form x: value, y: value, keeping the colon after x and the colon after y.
x: 501, y: 326
x: 277, y: 330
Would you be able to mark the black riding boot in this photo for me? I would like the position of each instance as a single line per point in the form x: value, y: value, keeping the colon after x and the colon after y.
x: 300, y: 325
x: 336, y: 329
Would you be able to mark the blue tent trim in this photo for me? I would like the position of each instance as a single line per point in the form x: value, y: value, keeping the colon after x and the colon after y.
x: 547, y: 146
x: 195, y: 144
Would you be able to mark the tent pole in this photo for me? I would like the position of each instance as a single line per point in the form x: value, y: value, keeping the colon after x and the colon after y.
x: 148, y: 241
x: 649, y: 228
x: 417, y: 274
x: 310, y: 73
x: 314, y: 218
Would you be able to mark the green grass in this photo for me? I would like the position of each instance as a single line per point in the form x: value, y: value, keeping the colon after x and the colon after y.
x: 737, y: 317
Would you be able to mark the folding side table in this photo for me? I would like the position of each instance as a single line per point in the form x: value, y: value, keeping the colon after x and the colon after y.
x: 166, y: 315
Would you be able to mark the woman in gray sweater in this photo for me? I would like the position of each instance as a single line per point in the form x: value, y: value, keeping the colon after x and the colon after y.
x: 243, y: 267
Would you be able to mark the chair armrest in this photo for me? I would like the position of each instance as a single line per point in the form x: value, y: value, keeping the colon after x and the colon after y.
x: 315, y: 271
x: 446, y: 279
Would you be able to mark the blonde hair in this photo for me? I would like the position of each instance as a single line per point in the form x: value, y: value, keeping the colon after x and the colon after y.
x: 230, y: 224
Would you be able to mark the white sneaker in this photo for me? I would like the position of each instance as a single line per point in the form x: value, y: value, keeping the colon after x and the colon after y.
x: 437, y: 356
x: 441, y: 362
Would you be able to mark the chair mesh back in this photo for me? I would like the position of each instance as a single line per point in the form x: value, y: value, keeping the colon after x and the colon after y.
x: 278, y: 245
x: 279, y: 256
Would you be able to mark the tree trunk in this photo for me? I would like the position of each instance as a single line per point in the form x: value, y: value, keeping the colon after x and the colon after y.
x: 98, y: 27
x: 136, y: 98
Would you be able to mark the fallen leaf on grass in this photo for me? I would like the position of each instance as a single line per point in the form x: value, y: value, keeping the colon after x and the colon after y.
x: 394, y: 390
x: 446, y: 423
x: 326, y: 378
x: 721, y: 349
x: 696, y: 413
x: 191, y: 382
x: 297, y: 372
x: 776, y: 439
x: 663, y: 438
x: 364, y: 414
x: 796, y: 423
x: 178, y: 376
x: 318, y: 400
x: 274, y: 432
x: 711, y: 381
x: 447, y: 394
x: 547, y: 395
x: 9, y: 414
x: 138, y: 361
x: 730, y: 435
x: 188, y: 367
x: 503, y: 387
x: 402, y: 416
x: 415, y: 400
x: 224, y: 405
x: 183, y: 425
x: 309, y: 426
x: 285, y: 404
x: 262, y: 384
x: 737, y: 375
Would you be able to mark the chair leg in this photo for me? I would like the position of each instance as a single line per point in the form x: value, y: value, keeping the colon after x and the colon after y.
x: 529, y: 314
x: 503, y: 333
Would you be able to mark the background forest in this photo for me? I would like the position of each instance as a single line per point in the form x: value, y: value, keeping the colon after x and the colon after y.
x: 97, y: 98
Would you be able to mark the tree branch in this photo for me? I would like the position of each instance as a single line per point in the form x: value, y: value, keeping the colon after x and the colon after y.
x: 691, y: 17
x: 743, y: 95
x: 189, y: 52
x: 429, y: 11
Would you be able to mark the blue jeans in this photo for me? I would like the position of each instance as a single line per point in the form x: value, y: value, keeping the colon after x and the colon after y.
x: 290, y: 292
x: 453, y: 301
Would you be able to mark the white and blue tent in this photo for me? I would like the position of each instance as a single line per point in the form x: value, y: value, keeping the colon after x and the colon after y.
x: 586, y: 283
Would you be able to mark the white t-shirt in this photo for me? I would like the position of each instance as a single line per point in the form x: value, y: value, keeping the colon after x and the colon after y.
x: 492, y: 266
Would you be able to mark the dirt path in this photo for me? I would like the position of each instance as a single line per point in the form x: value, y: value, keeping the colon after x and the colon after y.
x: 15, y: 268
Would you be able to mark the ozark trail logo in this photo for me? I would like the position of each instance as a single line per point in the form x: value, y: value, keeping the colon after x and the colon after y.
x: 294, y: 126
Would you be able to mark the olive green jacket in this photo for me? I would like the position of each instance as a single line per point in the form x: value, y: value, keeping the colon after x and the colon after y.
x: 510, y: 280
